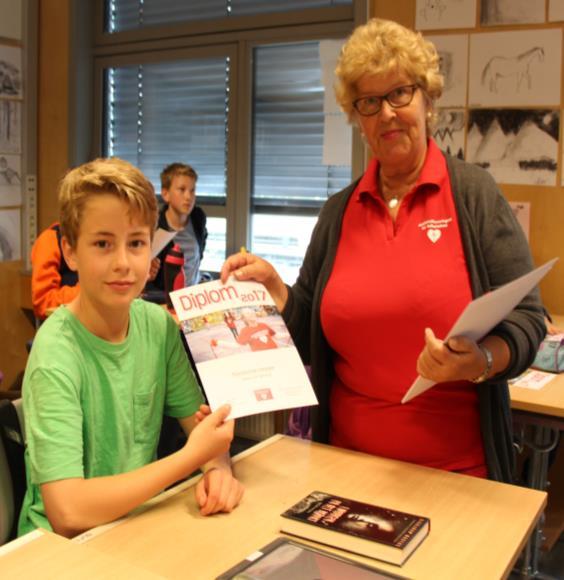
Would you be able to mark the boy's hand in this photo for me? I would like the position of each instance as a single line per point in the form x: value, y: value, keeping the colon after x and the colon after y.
x: 218, y: 491
x: 202, y: 413
x: 154, y: 269
x: 212, y: 436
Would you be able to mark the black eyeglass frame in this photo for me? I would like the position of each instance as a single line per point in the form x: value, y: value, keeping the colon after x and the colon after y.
x: 386, y: 98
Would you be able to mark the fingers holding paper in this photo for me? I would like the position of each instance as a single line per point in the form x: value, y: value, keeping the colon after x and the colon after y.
x: 457, y: 359
x: 244, y: 266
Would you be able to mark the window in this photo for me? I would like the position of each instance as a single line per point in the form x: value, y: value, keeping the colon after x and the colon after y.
x: 245, y: 108
x: 130, y: 14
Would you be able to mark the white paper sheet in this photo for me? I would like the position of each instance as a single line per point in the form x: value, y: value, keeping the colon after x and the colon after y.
x: 533, y: 379
x: 160, y: 240
x: 482, y: 314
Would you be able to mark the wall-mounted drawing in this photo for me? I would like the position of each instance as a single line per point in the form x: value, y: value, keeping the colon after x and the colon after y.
x: 449, y: 131
x: 10, y: 126
x: 10, y: 72
x: 440, y: 14
x: 520, y: 68
x: 10, y: 180
x: 494, y: 12
x: 515, y: 145
x: 10, y: 240
x: 11, y: 21
x: 453, y: 53
x: 556, y: 10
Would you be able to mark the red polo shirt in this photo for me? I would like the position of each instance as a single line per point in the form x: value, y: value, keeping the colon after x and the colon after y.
x: 389, y: 282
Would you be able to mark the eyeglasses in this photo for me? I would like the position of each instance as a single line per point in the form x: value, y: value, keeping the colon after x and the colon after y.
x: 372, y: 104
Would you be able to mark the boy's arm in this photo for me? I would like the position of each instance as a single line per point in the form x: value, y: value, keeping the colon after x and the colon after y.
x: 218, y: 490
x: 76, y: 504
x: 47, y: 292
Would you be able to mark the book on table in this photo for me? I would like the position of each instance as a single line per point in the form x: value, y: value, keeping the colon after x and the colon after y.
x: 358, y: 527
x: 241, y: 349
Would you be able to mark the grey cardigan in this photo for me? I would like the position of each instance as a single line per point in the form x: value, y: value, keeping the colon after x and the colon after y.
x: 496, y: 252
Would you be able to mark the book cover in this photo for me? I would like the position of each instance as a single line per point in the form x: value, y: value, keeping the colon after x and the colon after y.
x: 241, y: 348
x: 362, y: 528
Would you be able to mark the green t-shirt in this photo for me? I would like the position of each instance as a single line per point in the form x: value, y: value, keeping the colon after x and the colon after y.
x: 94, y: 408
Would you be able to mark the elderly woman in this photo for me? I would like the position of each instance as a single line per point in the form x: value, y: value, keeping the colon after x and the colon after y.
x: 392, y: 262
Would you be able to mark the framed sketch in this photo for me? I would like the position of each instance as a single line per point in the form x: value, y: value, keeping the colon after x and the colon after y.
x: 521, y: 68
x: 11, y: 21
x: 453, y: 54
x: 10, y: 72
x: 555, y: 10
x: 515, y: 145
x: 440, y: 14
x: 10, y: 240
x: 10, y: 126
x: 448, y: 131
x: 494, y: 12
x: 10, y: 180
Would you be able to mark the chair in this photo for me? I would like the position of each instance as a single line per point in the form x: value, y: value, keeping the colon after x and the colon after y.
x: 12, y: 467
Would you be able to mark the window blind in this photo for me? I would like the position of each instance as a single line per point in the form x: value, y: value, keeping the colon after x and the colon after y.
x: 288, y: 127
x: 131, y: 14
x: 163, y: 112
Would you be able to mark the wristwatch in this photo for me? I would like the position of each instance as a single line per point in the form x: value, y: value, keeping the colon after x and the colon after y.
x: 489, y: 362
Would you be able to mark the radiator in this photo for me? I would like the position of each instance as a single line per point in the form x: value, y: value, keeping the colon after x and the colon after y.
x: 256, y: 427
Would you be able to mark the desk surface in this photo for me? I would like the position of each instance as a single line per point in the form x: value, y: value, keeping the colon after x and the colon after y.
x: 42, y: 554
x: 546, y: 401
x: 478, y: 527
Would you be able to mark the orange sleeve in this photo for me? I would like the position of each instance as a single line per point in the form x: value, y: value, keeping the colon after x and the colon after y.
x: 46, y: 290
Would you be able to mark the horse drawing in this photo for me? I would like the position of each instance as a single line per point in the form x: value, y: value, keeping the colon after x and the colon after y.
x: 501, y: 67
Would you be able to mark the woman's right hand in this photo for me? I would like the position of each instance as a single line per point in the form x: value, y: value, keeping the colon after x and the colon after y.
x: 212, y: 436
x: 244, y: 266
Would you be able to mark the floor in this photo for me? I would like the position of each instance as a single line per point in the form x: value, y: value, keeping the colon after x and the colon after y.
x: 551, y: 565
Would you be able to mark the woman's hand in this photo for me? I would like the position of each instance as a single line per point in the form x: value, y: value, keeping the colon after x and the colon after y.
x: 245, y: 266
x: 459, y: 359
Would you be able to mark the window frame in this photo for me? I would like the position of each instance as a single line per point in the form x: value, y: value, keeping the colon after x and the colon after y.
x: 157, y: 44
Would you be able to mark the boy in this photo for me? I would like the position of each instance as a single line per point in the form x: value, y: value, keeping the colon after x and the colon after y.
x: 178, y: 189
x: 104, y: 369
x: 52, y: 282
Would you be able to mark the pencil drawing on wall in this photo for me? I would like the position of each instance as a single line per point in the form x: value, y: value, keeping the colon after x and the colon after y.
x: 10, y: 180
x: 10, y: 246
x: 494, y: 12
x: 436, y: 14
x: 453, y: 54
x: 10, y: 72
x: 10, y: 126
x: 519, y: 68
x: 555, y: 10
x: 515, y: 145
x: 448, y: 132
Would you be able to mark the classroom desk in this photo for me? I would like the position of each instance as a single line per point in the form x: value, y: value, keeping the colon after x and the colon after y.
x: 478, y: 527
x: 42, y: 554
x: 542, y: 411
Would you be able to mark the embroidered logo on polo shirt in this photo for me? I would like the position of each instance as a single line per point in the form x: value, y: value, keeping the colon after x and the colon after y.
x: 433, y: 228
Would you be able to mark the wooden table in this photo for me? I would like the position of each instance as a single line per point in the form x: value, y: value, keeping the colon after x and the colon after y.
x: 543, y: 412
x: 478, y: 527
x: 42, y: 554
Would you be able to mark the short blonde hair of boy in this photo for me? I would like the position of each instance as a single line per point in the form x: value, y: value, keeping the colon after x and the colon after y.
x: 380, y: 47
x: 111, y: 176
x: 174, y: 169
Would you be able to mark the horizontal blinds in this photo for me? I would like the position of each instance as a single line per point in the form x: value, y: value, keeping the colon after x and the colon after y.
x: 130, y: 14
x: 164, y: 112
x: 288, y: 126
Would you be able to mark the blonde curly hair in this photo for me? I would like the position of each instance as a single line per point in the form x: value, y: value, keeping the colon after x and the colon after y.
x: 379, y: 47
